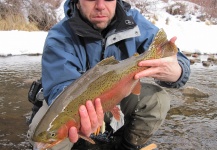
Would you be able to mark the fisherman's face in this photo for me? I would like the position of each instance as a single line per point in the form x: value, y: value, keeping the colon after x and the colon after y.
x: 98, y: 12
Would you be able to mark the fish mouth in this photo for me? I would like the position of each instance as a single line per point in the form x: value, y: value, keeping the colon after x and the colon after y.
x: 44, y: 146
x: 41, y: 146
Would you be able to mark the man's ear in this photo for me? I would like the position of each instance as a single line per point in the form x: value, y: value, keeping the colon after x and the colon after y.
x: 78, y: 6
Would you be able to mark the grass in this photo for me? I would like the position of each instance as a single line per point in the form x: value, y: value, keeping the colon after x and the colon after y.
x: 12, y: 22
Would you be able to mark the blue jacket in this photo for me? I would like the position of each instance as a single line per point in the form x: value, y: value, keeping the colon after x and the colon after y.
x: 73, y: 46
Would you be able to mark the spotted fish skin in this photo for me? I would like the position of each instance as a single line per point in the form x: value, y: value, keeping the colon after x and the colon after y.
x: 110, y: 80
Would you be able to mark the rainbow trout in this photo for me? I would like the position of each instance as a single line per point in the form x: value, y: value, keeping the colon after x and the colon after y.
x: 110, y: 80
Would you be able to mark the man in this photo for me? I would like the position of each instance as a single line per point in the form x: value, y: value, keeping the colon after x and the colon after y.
x: 96, y: 29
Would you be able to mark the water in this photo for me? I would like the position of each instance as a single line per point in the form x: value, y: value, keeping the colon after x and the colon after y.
x: 16, y: 74
x: 191, y: 123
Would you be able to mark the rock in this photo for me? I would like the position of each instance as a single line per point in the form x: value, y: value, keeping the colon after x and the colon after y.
x: 195, y: 55
x: 192, y: 61
x: 194, y: 92
x: 212, y: 59
x: 206, y: 63
x: 197, y: 60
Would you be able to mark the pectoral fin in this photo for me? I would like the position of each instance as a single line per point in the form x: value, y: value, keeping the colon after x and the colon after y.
x: 136, y: 90
x: 149, y: 147
x: 100, y: 129
x: 86, y: 138
x: 136, y: 54
x: 97, y: 131
x: 116, y: 113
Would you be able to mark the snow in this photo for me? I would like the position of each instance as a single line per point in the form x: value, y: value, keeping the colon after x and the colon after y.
x: 192, y: 36
x: 21, y: 42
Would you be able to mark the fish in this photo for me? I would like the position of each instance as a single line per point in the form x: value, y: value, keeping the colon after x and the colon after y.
x: 149, y: 147
x: 110, y: 80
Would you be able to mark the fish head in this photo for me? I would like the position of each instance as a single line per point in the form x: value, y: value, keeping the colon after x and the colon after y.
x: 49, y: 138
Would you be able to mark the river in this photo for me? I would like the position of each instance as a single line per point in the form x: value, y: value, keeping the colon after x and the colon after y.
x: 191, y: 124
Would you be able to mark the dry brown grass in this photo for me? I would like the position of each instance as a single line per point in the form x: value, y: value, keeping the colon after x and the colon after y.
x: 39, y: 14
x: 13, y: 22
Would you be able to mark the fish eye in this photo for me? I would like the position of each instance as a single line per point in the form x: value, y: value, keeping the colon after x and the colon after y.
x: 52, y: 134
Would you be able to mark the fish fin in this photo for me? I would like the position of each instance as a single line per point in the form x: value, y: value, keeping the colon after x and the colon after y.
x: 86, y: 138
x: 149, y: 147
x: 97, y: 131
x: 108, y: 61
x: 116, y: 113
x: 136, y: 90
x: 136, y: 54
x: 100, y: 129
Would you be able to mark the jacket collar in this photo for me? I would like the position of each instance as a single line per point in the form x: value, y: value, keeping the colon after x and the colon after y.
x: 84, y: 28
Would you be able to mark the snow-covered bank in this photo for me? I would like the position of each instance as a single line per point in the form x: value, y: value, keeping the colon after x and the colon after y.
x: 192, y: 37
x: 21, y: 42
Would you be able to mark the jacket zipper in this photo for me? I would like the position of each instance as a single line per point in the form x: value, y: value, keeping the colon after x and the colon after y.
x: 103, y: 48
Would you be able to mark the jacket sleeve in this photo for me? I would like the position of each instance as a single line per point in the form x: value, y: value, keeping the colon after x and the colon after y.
x: 184, y: 62
x: 148, y: 33
x: 59, y: 65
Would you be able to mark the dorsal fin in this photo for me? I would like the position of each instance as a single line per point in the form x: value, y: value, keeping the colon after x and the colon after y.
x: 108, y: 61
x: 136, y: 54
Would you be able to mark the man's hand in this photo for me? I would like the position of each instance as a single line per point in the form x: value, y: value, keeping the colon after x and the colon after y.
x: 92, y: 117
x: 163, y: 69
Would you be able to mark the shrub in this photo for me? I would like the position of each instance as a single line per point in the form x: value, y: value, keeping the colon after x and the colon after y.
x: 28, y: 14
x: 12, y: 18
x: 176, y: 9
x: 44, y: 16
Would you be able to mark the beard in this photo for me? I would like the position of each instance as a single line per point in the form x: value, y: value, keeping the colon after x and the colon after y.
x: 98, y: 25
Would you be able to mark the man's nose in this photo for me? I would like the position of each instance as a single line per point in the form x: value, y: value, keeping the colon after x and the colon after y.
x: 100, y: 4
